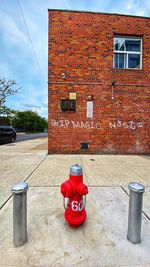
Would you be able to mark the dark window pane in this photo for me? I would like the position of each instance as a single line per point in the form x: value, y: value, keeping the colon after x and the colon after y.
x: 120, y: 61
x: 133, y: 61
x: 127, y: 44
x: 132, y: 45
x: 119, y: 44
x: 116, y: 60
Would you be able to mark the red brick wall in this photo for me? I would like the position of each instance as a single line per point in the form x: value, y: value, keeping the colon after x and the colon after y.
x: 81, y: 46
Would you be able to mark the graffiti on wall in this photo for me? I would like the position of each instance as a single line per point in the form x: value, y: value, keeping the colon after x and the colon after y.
x: 132, y: 125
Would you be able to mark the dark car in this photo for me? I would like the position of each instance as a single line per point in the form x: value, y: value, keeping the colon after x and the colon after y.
x: 7, y: 134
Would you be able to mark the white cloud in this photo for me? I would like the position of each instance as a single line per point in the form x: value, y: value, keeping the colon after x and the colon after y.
x: 40, y: 109
x: 11, y: 29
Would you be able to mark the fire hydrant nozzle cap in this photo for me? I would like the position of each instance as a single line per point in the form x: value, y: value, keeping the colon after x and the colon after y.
x: 66, y: 189
x: 82, y: 189
x: 76, y: 170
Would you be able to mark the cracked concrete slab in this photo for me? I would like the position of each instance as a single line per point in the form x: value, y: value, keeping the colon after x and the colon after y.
x: 54, y: 170
x: 17, y: 163
x: 139, y: 165
x: 107, y: 170
x: 101, y: 241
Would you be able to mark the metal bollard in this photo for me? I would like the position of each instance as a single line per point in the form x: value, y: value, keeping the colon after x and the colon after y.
x: 135, y: 212
x: 19, y: 213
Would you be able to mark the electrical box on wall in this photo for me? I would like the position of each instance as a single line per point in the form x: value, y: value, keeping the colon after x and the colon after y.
x: 72, y: 96
x: 67, y: 105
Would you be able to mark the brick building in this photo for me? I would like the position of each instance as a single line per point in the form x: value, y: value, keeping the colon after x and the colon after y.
x: 98, y: 83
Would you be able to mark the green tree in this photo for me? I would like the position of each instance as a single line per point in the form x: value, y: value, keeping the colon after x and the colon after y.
x: 29, y: 121
x: 7, y: 88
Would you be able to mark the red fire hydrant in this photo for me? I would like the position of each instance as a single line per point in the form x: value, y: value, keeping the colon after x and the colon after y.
x: 74, y: 191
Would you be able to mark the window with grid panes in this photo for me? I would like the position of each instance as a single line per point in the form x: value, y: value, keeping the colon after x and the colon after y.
x: 127, y: 52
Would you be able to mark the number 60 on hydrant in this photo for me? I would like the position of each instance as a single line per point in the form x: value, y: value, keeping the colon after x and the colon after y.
x: 74, y: 192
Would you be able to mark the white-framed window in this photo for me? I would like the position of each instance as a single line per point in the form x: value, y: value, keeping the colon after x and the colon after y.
x: 127, y: 52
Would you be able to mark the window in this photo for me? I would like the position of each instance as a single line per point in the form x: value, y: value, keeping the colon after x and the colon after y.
x: 127, y: 52
x: 68, y: 105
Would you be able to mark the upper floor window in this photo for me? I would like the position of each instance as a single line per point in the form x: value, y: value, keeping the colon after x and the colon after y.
x: 127, y: 52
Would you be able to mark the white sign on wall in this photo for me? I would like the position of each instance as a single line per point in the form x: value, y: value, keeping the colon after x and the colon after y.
x: 89, y: 112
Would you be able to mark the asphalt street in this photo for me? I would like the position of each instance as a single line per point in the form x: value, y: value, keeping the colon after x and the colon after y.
x: 24, y: 136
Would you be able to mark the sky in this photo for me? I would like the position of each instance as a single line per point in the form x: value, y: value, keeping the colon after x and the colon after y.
x: 24, y: 43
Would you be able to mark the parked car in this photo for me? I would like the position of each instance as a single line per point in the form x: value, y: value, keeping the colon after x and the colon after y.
x: 7, y: 134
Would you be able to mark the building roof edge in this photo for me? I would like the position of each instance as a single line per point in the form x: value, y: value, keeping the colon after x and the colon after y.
x: 97, y: 12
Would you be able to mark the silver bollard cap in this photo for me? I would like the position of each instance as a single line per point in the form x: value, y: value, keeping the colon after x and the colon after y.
x: 76, y: 170
x: 19, y: 188
x: 136, y: 187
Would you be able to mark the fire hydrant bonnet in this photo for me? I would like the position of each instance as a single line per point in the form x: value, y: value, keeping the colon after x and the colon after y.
x: 76, y: 170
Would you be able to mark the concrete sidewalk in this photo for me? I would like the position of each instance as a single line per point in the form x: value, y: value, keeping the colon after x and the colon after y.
x: 101, y: 241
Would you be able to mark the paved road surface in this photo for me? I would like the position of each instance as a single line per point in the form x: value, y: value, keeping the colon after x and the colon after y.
x: 24, y: 136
